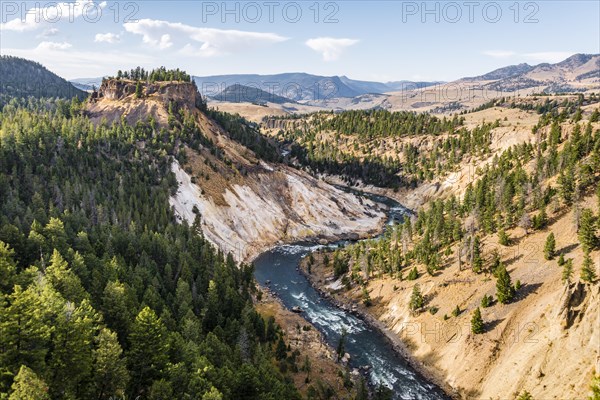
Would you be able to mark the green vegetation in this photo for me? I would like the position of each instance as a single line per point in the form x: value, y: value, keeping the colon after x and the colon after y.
x: 588, y: 273
x: 247, y: 134
x: 550, y: 247
x: 156, y: 75
x: 504, y: 289
x: 525, y: 395
x: 102, y: 292
x: 25, y: 79
x: 416, y: 299
x: 363, y: 133
x: 477, y: 325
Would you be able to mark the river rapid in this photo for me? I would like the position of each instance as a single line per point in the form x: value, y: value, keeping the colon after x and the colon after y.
x: 367, y: 346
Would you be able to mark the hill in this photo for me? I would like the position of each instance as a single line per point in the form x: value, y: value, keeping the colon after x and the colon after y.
x: 245, y: 94
x: 23, y: 78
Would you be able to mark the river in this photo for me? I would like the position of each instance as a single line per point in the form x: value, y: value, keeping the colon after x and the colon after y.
x: 277, y: 269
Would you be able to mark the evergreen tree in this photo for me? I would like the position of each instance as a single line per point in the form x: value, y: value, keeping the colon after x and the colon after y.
x: 504, y: 289
x: 477, y: 326
x: 550, y: 247
x: 281, y: 349
x: 28, y: 386
x: 8, y: 268
x: 588, y: 273
x: 64, y: 280
x: 503, y: 237
x: 486, y: 301
x: 139, y: 93
x: 110, y: 369
x: 413, y: 274
x: 72, y: 344
x: 587, y: 230
x: 567, y: 272
x: 25, y: 330
x: 416, y: 299
x: 148, y: 344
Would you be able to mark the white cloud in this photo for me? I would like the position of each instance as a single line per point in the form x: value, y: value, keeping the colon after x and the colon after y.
x: 499, y: 53
x: 107, y: 38
x: 549, y: 56
x: 163, y: 34
x: 38, y: 17
x: 330, y: 48
x: 49, y: 32
x: 54, y: 46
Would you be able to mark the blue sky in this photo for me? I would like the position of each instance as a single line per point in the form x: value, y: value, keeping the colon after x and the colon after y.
x: 375, y: 40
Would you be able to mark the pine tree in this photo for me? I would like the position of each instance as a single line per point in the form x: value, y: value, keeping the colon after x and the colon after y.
x: 588, y: 273
x: 567, y: 272
x: 8, y: 268
x: 28, y: 386
x: 587, y: 230
x: 550, y: 247
x: 281, y: 349
x: 486, y: 301
x: 25, y: 330
x: 72, y: 344
x: 139, y: 90
x: 504, y: 290
x: 503, y: 237
x: 416, y: 299
x: 148, y: 344
x: 64, y: 280
x: 477, y: 322
x: 110, y: 371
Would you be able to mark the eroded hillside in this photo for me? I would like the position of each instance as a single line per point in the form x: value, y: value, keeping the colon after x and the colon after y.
x: 245, y: 204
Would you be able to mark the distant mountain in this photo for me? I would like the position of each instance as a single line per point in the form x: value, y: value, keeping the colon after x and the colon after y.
x: 302, y: 86
x: 577, y: 73
x: 23, y: 78
x: 87, y: 84
x: 245, y: 94
x: 505, y: 72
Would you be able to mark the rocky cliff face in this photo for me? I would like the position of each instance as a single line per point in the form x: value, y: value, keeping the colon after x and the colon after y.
x: 116, y: 98
x: 184, y: 93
